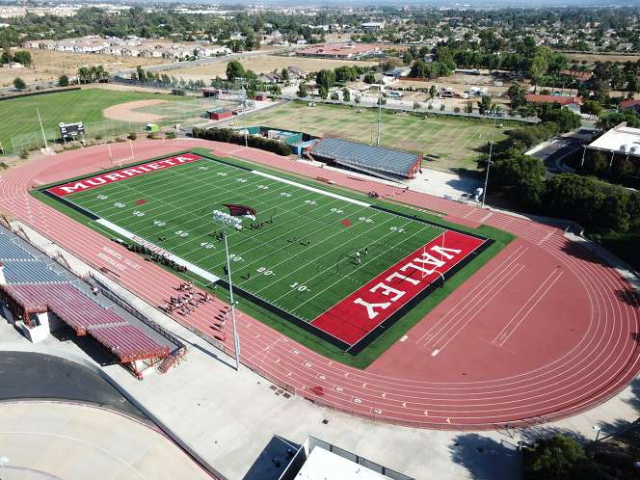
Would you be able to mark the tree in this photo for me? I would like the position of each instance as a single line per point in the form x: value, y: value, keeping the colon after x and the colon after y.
x: 610, y: 120
x: 591, y: 107
x: 517, y: 95
x: 419, y: 69
x: 84, y: 75
x: 142, y: 75
x: 523, y: 176
x: 468, y: 107
x: 369, y: 78
x: 407, y: 58
x: 556, y: 458
x: 335, y: 96
x: 234, y: 70
x: 484, y: 105
x: 537, y: 67
x: 325, y: 79
x: 284, y: 74
x: 6, y: 57
x: 19, y: 84
x: 346, y: 94
x: 303, y: 90
x: 323, y: 92
x: 23, y: 57
x: 432, y: 92
x: 63, y: 81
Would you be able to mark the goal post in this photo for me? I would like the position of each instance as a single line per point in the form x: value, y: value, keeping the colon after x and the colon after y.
x: 119, y: 161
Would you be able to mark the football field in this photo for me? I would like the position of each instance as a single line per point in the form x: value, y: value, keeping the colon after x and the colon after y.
x: 340, y: 267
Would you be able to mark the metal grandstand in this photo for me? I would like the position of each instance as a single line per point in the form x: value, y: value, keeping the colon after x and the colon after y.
x: 378, y: 161
x: 36, y: 299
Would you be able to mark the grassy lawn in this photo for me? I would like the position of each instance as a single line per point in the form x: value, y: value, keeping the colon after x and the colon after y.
x: 172, y: 208
x: 20, y: 117
x: 457, y: 141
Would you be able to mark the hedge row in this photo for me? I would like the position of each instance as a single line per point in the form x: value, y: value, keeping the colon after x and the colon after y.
x: 229, y: 135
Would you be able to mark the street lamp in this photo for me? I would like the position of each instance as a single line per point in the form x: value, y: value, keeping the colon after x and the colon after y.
x: 597, y: 429
x: 228, y: 221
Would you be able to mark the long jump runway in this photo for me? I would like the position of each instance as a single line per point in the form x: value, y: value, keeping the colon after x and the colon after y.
x: 543, y: 331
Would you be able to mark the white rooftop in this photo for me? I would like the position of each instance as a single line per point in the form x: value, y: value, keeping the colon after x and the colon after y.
x: 619, y: 140
x: 324, y: 465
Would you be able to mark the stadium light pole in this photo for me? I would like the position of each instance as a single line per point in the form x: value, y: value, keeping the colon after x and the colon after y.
x: 236, y: 340
x: 44, y: 137
x: 244, y: 109
x: 379, y: 115
x: 227, y: 222
x: 486, y: 177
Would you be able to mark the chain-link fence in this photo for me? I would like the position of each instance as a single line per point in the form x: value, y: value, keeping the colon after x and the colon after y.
x: 176, y: 112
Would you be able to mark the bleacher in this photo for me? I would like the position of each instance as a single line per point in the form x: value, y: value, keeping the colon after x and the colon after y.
x: 19, y: 272
x: 32, y: 292
x: 377, y: 161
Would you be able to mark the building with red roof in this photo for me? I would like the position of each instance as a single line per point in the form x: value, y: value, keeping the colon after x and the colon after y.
x: 561, y: 100
x: 345, y: 51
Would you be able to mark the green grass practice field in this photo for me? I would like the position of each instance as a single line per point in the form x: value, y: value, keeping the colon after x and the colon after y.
x: 456, y: 140
x: 87, y: 106
x: 76, y: 106
x: 301, y: 261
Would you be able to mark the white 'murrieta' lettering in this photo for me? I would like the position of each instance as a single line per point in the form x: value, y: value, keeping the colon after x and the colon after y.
x: 130, y: 172
x: 154, y: 166
x: 387, y: 290
x: 74, y: 187
x: 443, y: 251
x: 371, y: 312
x: 96, y: 181
x: 115, y: 176
x: 183, y: 159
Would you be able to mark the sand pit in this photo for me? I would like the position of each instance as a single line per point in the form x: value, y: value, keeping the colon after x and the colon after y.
x: 125, y: 112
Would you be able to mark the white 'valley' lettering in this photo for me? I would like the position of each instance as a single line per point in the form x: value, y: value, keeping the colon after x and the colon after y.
x: 394, y: 294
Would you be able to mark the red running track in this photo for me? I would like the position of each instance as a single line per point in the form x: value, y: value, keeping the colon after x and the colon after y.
x: 543, y: 331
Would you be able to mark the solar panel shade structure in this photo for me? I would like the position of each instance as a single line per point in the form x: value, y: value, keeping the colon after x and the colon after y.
x: 128, y: 343
x: 11, y: 251
x: 374, y: 160
x: 21, y: 272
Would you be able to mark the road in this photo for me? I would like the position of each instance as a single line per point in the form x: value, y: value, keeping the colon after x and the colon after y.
x: 556, y: 150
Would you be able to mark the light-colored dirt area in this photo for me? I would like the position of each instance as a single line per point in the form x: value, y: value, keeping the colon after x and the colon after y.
x: 264, y: 64
x: 124, y: 88
x: 127, y: 112
x: 50, y: 65
x: 35, y: 437
x: 601, y: 57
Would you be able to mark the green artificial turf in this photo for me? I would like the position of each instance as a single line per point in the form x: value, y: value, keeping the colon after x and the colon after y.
x: 172, y: 209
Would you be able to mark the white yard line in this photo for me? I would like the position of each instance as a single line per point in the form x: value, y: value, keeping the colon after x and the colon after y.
x: 142, y: 241
x: 311, y: 189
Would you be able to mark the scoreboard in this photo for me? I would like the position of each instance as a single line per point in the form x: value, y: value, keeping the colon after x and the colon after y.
x: 69, y: 131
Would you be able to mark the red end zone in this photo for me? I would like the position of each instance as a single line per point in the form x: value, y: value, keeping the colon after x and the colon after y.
x: 357, y: 315
x: 123, y: 174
